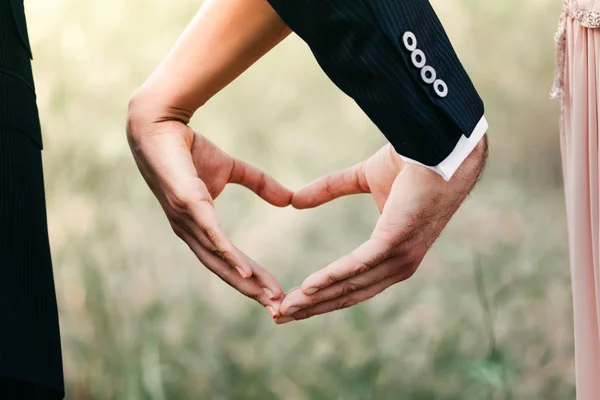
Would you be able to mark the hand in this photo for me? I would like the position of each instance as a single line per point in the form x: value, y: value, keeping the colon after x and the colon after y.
x: 415, y: 205
x: 187, y: 172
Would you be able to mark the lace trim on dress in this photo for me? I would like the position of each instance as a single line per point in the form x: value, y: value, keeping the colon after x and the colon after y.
x: 560, y: 39
x: 587, y: 19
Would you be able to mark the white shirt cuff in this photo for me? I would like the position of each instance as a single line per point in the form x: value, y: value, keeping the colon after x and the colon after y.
x: 463, y: 148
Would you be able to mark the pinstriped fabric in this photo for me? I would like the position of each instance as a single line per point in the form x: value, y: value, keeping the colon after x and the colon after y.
x: 30, y: 349
x: 17, y: 90
x: 358, y: 44
x: 17, y: 100
x: 14, y: 48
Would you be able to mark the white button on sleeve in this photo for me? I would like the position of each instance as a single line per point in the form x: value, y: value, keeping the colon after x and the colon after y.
x: 428, y: 74
x: 440, y: 87
x: 418, y: 58
x: 410, y: 41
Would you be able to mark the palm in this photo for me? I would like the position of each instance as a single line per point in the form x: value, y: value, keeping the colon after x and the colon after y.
x: 214, y: 167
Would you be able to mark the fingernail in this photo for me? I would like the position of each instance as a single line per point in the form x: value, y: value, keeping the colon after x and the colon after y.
x: 292, y: 310
x: 271, y: 311
x: 269, y: 294
x: 242, y: 272
x: 311, y: 290
x: 284, y: 320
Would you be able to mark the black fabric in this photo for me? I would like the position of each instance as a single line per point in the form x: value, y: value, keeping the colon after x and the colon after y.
x: 12, y: 389
x: 18, y: 108
x: 358, y: 44
x: 30, y: 350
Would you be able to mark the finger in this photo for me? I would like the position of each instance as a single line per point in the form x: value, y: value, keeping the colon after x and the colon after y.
x: 370, y: 254
x: 329, y: 187
x: 343, y: 302
x: 283, y: 320
x: 260, y: 183
x: 206, y: 223
x: 266, y: 280
x: 292, y: 289
x: 248, y: 287
x: 298, y: 300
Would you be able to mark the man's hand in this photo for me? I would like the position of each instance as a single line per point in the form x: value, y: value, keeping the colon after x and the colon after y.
x: 187, y: 172
x: 415, y: 205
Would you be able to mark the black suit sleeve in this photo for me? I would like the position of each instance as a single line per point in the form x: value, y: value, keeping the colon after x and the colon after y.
x: 395, y: 60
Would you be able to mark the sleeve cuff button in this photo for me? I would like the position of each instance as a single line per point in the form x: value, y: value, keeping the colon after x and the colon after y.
x: 428, y: 74
x: 410, y: 40
x: 418, y: 58
x: 440, y: 87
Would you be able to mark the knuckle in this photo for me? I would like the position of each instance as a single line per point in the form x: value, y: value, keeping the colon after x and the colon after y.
x: 180, y: 200
x: 360, y: 268
x: 211, y: 235
x: 238, y: 171
x: 209, y: 246
x: 223, y: 254
x: 350, y: 288
x: 262, y: 184
x: 313, y: 300
x: 329, y: 280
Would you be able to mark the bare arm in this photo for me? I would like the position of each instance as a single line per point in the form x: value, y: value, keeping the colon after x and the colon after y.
x: 184, y: 169
x: 222, y: 41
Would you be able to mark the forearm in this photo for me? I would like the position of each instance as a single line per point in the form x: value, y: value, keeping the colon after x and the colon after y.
x: 471, y: 169
x: 222, y: 41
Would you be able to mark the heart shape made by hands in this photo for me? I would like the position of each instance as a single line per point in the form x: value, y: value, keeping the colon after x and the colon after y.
x: 187, y: 172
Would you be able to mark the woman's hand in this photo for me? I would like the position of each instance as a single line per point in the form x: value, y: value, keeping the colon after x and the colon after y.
x: 187, y: 172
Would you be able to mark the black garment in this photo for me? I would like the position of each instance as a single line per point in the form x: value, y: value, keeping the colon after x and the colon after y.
x: 30, y: 351
x: 360, y: 45
x: 12, y: 389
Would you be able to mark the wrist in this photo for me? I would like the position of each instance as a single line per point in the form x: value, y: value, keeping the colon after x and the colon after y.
x: 472, y: 168
x: 147, y: 114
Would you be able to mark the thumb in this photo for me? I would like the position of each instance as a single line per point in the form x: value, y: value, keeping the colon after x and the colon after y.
x: 264, y: 185
x: 332, y: 186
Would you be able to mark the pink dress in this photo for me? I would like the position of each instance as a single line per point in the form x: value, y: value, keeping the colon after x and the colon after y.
x: 578, y: 87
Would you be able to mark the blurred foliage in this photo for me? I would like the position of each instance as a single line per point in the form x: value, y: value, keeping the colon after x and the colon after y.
x: 487, y: 316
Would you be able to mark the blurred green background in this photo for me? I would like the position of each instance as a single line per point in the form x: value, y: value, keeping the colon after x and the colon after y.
x: 487, y: 316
